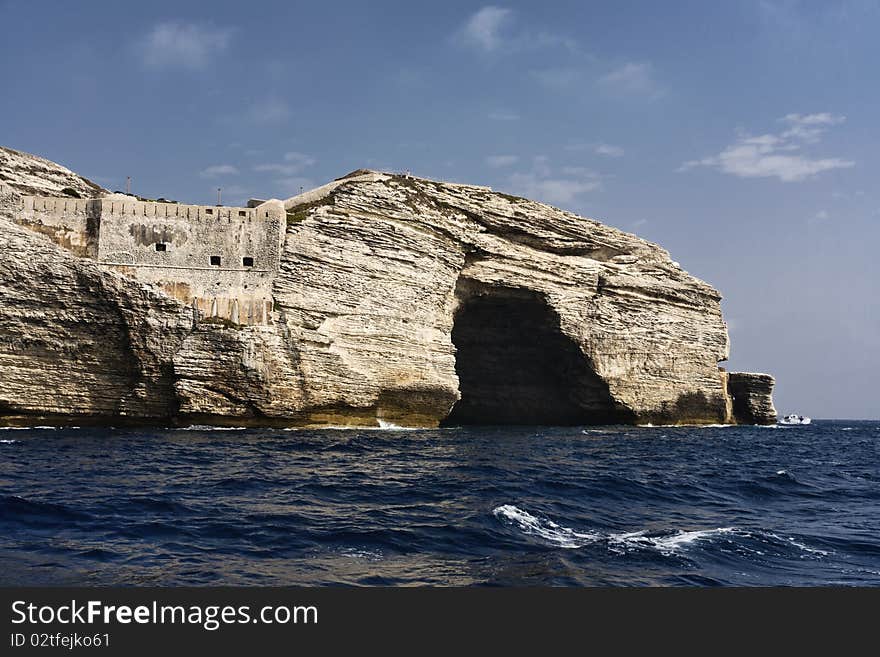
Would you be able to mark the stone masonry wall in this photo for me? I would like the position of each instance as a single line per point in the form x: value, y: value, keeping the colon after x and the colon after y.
x: 175, y: 247
x: 69, y: 222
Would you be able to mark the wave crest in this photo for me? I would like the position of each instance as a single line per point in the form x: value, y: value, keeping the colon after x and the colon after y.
x: 559, y: 536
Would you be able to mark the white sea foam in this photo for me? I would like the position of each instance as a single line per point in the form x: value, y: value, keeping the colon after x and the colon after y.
x: 546, y: 529
x: 799, y: 545
x: 390, y: 426
x: 568, y: 538
x: 806, y: 548
x: 7, y: 442
x: 781, y: 472
x: 648, y: 425
x: 209, y: 427
x: 38, y: 427
x: 360, y: 553
x: 383, y: 426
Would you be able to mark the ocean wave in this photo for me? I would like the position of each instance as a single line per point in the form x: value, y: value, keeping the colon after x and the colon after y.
x: 649, y: 425
x: 210, y: 427
x: 565, y: 537
x: 7, y: 442
x: 39, y: 427
x: 390, y: 426
x: 15, y: 507
x: 545, y: 528
x: 382, y: 426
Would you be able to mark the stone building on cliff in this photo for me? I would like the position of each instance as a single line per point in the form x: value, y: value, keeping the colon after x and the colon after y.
x: 220, y: 260
x: 377, y: 298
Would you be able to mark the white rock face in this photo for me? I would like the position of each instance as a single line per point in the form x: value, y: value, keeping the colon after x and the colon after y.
x: 398, y: 300
x: 29, y: 174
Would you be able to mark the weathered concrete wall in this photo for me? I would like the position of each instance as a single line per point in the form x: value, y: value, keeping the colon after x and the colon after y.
x: 69, y: 222
x: 124, y: 233
x: 191, y: 235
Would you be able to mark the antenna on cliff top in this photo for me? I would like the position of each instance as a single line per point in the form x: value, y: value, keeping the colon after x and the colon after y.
x: 218, y: 196
x: 128, y: 184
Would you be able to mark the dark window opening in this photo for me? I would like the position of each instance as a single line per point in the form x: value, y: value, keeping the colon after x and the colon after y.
x: 160, y: 246
x: 209, y: 211
x: 215, y: 261
x: 247, y: 261
x: 242, y: 213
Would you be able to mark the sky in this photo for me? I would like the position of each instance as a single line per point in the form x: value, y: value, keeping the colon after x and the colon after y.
x: 741, y: 136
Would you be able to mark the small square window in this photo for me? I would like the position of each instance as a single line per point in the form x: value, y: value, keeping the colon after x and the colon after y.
x: 161, y: 246
x: 242, y: 213
x: 209, y: 211
x: 215, y: 261
x: 247, y: 261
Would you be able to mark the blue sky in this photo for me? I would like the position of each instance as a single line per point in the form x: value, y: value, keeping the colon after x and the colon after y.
x: 741, y: 136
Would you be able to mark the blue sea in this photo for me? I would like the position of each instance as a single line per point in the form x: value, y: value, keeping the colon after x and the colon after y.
x: 574, y: 506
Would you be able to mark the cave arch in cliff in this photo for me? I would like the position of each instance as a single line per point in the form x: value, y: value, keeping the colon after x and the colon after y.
x: 516, y: 366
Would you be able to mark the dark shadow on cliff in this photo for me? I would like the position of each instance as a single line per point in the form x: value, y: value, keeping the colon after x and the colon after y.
x: 515, y: 366
x: 690, y: 407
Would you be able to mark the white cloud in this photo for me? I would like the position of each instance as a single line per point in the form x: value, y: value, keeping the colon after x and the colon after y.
x: 483, y: 29
x: 543, y: 183
x: 809, y: 127
x: 497, y: 161
x: 822, y: 215
x: 609, y: 150
x: 217, y: 170
x: 551, y: 190
x: 294, y: 163
x: 183, y: 45
x: 287, y: 175
x: 632, y: 78
x: 492, y: 29
x: 777, y: 156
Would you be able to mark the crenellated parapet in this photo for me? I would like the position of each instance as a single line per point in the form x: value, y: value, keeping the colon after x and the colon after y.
x: 220, y: 260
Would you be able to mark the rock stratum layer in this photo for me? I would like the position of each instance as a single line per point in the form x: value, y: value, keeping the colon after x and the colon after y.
x: 397, y: 300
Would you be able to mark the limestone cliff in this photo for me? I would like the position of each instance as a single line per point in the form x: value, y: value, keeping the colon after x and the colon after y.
x: 397, y: 300
x: 752, y: 396
x: 29, y: 174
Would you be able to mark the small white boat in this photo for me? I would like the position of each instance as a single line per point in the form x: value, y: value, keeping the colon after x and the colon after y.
x: 794, y: 419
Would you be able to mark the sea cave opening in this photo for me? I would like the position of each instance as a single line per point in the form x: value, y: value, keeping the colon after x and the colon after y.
x: 516, y: 366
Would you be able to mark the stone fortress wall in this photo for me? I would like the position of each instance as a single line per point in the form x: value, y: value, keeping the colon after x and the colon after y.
x: 221, y: 260
x: 70, y: 222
